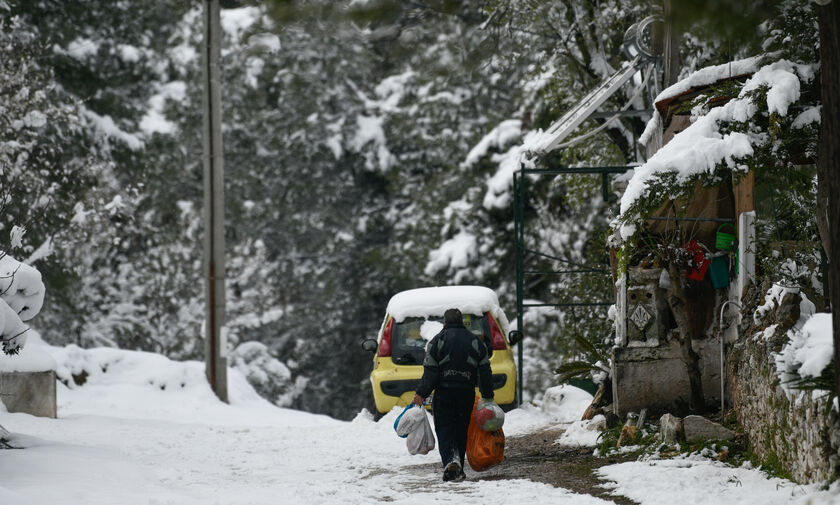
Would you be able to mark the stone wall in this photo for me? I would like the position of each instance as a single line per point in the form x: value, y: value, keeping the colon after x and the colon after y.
x: 797, y: 433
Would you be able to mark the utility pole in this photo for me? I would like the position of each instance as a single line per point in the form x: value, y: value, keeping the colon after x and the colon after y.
x: 215, y: 351
x: 671, y: 47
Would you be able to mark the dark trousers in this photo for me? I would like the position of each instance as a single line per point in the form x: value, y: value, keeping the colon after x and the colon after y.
x: 451, y: 409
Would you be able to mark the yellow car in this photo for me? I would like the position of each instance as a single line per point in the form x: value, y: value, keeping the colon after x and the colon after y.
x: 413, y: 318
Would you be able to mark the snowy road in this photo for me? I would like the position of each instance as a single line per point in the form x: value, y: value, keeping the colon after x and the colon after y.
x: 284, y: 458
x: 149, y: 432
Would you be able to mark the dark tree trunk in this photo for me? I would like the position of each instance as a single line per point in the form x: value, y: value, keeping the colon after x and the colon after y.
x: 828, y: 159
x: 680, y: 305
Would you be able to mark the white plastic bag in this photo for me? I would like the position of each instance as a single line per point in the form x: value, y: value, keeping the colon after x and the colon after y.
x: 489, y: 416
x: 422, y: 439
x: 411, y: 418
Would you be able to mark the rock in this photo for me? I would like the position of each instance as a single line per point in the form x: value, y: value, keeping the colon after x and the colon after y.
x: 628, y: 434
x: 671, y: 428
x: 699, y: 428
x: 612, y: 419
x: 787, y: 314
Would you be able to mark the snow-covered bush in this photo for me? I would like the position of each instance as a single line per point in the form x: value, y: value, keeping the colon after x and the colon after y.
x: 806, y: 359
x: 21, y: 298
x: 269, y: 377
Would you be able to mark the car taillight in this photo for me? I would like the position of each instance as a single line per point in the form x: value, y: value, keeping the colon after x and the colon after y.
x: 496, y: 334
x: 385, y: 343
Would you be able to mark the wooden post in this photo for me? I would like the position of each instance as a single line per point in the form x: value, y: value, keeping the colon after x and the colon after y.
x: 214, y: 209
x: 744, y: 199
x: 828, y: 155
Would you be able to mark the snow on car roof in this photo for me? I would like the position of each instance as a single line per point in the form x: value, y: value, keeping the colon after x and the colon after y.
x: 434, y: 301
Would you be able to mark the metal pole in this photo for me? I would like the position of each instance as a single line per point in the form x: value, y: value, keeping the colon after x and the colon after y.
x: 214, y: 211
x: 722, y: 359
x: 519, y: 220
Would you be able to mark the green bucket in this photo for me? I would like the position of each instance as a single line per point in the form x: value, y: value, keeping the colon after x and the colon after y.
x: 719, y: 271
x: 725, y: 241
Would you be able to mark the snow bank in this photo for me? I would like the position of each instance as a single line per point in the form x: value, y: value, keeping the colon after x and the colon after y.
x: 34, y: 357
x: 583, y: 433
x: 143, y: 385
x: 427, y: 302
x: 560, y: 407
x: 702, y: 481
x: 565, y: 403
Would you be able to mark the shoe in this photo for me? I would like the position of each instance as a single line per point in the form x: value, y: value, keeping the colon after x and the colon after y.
x: 461, y: 476
x: 452, y: 471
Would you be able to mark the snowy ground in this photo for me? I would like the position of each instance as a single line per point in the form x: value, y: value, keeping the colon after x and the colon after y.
x: 149, y: 431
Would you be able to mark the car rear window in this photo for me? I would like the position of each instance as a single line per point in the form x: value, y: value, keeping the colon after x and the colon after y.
x: 409, y: 347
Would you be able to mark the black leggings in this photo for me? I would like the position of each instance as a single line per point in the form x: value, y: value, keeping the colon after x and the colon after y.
x: 451, y: 410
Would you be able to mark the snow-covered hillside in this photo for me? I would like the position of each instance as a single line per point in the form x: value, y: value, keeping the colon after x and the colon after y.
x: 146, y: 430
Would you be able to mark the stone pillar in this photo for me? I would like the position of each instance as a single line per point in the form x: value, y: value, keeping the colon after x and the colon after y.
x: 29, y: 392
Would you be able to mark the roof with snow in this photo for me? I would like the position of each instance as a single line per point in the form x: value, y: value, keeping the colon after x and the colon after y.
x: 712, y: 74
x: 434, y: 301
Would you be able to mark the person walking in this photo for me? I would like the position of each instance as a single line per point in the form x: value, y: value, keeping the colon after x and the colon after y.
x: 456, y: 361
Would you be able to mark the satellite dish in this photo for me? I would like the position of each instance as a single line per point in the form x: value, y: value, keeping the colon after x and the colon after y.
x: 638, y: 39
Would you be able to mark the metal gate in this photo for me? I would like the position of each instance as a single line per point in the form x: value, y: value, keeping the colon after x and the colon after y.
x: 523, y: 251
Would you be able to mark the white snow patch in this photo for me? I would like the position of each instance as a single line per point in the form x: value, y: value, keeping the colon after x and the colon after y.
x: 129, y: 54
x: 582, y: 433
x: 712, y: 74
x: 79, y: 48
x: 701, y: 481
x: 16, y: 236
x: 808, y: 116
x: 21, y: 288
x: 565, y: 403
x: 500, y: 136
x: 369, y: 130
x: 817, y: 349
x: 429, y: 329
x: 109, y: 128
x: 434, y: 301
x: 456, y: 252
x: 392, y: 89
x: 236, y: 21
x: 498, y: 187
x: 154, y: 121
x: 34, y: 357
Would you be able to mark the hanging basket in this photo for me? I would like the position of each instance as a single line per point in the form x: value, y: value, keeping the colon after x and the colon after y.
x: 725, y: 241
x: 701, y: 262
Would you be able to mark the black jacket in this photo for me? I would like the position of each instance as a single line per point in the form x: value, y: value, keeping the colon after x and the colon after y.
x: 456, y: 359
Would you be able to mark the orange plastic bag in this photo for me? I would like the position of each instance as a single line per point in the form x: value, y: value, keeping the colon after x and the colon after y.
x: 484, y: 448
